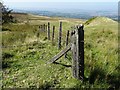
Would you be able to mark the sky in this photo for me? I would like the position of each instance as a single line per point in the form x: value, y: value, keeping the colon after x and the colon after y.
x: 62, y: 4
x: 60, y: 0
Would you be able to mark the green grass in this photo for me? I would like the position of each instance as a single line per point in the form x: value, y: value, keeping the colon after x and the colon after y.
x: 25, y: 56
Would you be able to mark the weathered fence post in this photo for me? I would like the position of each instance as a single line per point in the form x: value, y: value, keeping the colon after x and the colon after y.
x: 67, y: 40
x: 48, y: 31
x: 44, y: 27
x: 40, y: 28
x: 38, y: 32
x: 60, y: 36
x: 78, y: 53
x: 53, y: 35
x: 73, y: 49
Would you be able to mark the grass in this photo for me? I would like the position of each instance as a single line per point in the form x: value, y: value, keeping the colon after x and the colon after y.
x: 25, y: 56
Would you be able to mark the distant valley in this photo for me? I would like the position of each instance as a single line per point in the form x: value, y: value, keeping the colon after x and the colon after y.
x: 79, y: 14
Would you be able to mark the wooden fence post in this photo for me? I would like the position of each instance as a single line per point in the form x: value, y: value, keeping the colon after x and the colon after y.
x: 73, y: 49
x: 78, y: 53
x: 60, y: 36
x: 48, y: 31
x: 44, y: 28
x: 67, y: 40
x: 40, y: 28
x: 53, y: 35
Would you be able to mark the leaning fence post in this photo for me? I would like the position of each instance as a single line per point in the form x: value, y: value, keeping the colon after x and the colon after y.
x: 48, y: 31
x: 67, y: 38
x: 53, y: 35
x: 60, y: 36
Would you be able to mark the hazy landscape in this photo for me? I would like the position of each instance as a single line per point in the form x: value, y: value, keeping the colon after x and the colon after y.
x: 84, y: 10
x: 80, y: 14
x: 26, y: 50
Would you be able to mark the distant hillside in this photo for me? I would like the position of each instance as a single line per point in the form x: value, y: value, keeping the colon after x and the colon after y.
x: 20, y: 16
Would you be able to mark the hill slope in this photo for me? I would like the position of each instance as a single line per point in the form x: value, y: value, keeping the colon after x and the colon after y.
x: 100, y: 20
x: 25, y: 55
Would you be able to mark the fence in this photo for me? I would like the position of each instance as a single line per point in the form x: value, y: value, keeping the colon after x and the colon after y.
x: 76, y: 46
x: 46, y: 28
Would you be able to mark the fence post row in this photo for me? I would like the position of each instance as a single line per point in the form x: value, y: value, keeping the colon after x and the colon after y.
x: 60, y: 36
x: 77, y: 48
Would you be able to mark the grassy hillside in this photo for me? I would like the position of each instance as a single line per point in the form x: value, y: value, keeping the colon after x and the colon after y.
x: 100, y: 20
x: 25, y: 54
